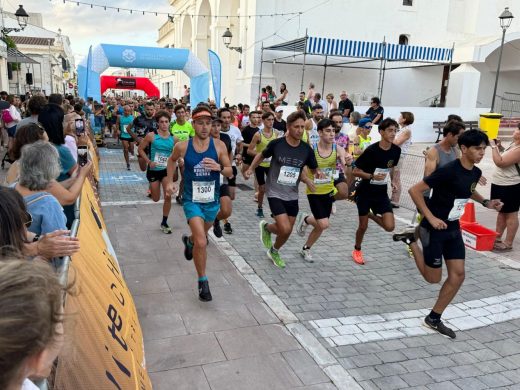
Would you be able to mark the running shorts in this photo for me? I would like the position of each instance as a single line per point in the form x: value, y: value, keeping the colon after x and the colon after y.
x: 261, y: 174
x: 279, y: 206
x: 153, y: 176
x: 207, y: 211
x: 441, y: 243
x: 321, y: 205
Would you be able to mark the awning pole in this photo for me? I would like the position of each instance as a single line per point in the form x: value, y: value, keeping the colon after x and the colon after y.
x: 379, y: 86
x: 449, y: 73
x: 324, y: 75
x: 260, y: 79
x: 304, y: 55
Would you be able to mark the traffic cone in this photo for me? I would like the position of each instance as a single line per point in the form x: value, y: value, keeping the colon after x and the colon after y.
x: 469, y: 214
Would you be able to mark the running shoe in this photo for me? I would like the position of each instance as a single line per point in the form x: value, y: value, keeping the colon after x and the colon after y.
x: 334, y: 210
x: 127, y: 167
x: 301, y: 226
x: 227, y: 228
x: 357, y: 256
x: 188, y: 247
x: 217, y: 230
x: 260, y: 213
x: 275, y: 258
x: 265, y: 236
x: 148, y: 193
x: 166, y: 229
x: 439, y: 327
x: 178, y: 199
x: 204, y: 293
x: 407, y: 236
x: 307, y: 255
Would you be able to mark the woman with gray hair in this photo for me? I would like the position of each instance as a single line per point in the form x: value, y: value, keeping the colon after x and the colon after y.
x: 40, y: 165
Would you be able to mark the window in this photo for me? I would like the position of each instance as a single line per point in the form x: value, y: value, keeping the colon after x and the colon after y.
x: 403, y: 39
x: 408, y: 3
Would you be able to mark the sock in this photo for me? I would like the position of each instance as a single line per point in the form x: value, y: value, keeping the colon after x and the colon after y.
x: 306, y: 247
x: 274, y: 250
x: 305, y: 220
x: 203, y: 278
x: 164, y: 221
x: 435, y: 316
x: 358, y: 248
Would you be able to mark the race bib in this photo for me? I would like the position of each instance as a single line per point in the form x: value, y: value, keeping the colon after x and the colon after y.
x: 161, y: 160
x: 329, y: 174
x: 288, y: 176
x: 203, y: 191
x: 386, y: 180
x: 457, y: 209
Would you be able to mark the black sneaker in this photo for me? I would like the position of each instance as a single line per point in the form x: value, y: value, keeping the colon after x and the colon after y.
x: 407, y: 236
x: 439, y: 327
x: 217, y: 230
x: 204, y: 293
x: 188, y: 247
x: 127, y: 167
x: 178, y: 199
x: 227, y: 228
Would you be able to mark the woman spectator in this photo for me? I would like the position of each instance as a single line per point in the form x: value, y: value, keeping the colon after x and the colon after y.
x: 505, y: 185
x: 403, y: 139
x: 14, y: 237
x: 311, y: 92
x: 31, y: 322
x: 282, y: 99
x: 11, y: 117
x: 39, y: 165
x: 332, y: 104
x: 271, y: 96
x: 352, y: 128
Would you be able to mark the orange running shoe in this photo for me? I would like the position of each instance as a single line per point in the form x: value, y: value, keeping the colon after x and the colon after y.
x: 357, y: 256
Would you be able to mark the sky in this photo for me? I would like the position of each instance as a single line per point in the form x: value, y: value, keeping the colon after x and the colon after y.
x: 85, y: 26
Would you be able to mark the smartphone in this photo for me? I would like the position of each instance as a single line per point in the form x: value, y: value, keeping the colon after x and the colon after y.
x: 82, y: 155
x: 80, y: 127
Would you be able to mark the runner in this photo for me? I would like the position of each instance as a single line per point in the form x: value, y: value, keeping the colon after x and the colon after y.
x: 248, y: 132
x: 236, y: 143
x: 154, y: 150
x: 260, y: 141
x: 226, y: 206
x: 375, y: 167
x: 204, y: 159
x: 342, y: 142
x: 122, y: 123
x: 288, y: 157
x: 320, y: 192
x: 311, y: 125
x: 143, y: 125
x: 183, y: 130
x: 279, y: 122
x: 453, y: 185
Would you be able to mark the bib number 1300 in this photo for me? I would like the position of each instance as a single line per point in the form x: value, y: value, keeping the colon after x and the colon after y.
x: 203, y: 191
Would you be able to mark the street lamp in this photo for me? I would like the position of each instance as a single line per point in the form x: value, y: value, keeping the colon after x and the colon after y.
x: 21, y: 17
x: 506, y: 17
x: 226, y: 37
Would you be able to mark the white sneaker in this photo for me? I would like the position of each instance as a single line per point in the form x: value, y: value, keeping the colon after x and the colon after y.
x: 132, y: 158
x: 334, y: 208
x: 301, y: 226
x: 307, y: 255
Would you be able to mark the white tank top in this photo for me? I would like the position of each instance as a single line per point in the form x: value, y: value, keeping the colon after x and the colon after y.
x: 507, y: 176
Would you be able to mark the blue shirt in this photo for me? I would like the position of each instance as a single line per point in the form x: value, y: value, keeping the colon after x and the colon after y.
x: 47, y: 213
x: 66, y: 162
x: 160, y: 149
x: 194, y: 170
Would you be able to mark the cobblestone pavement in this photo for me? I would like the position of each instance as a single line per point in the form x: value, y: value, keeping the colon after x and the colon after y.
x: 368, y: 317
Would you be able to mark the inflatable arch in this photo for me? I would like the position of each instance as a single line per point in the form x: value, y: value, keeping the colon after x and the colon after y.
x: 121, y: 82
x: 102, y: 56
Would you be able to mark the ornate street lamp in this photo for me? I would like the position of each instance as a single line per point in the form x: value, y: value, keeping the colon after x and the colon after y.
x: 506, y: 17
x: 21, y: 17
x: 227, y: 37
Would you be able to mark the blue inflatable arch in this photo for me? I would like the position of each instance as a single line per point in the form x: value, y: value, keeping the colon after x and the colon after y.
x: 103, y: 56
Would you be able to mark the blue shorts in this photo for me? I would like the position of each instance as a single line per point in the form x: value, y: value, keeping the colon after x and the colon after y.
x: 207, y: 211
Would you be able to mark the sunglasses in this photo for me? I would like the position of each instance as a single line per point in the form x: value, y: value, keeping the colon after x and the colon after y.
x: 28, y: 219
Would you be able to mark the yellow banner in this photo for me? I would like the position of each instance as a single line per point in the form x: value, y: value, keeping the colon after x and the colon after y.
x: 104, y: 348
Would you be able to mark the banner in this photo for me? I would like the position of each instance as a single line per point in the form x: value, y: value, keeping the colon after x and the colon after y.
x: 104, y: 343
x: 215, y: 68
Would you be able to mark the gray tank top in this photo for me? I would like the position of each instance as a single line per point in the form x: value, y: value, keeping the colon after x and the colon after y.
x: 444, y: 157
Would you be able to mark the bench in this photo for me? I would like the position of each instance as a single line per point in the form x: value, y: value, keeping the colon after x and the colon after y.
x: 438, y: 126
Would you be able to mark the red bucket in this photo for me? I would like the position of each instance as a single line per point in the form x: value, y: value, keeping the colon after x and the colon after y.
x: 478, y: 237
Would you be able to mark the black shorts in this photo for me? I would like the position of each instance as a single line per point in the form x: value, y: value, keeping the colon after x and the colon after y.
x: 153, y: 176
x: 340, y: 179
x: 126, y: 139
x: 247, y: 159
x: 321, y: 205
x: 233, y: 182
x: 11, y: 131
x: 441, y: 243
x: 509, y: 195
x: 261, y: 174
x: 378, y: 204
x: 224, y: 190
x: 279, y: 206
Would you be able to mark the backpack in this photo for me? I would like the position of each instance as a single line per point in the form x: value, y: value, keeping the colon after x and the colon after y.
x: 6, y: 116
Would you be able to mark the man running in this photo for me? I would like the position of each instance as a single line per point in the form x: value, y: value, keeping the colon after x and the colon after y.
x: 183, y: 130
x: 453, y: 185
x: 236, y: 143
x: 288, y: 157
x: 342, y: 142
x: 320, y: 192
x: 375, y: 167
x: 143, y: 125
x: 204, y: 158
x: 122, y: 123
x: 248, y: 132
x: 154, y: 150
x: 311, y: 126
x: 260, y: 141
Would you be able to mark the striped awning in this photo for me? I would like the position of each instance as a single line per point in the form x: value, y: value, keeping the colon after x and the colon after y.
x: 364, y: 49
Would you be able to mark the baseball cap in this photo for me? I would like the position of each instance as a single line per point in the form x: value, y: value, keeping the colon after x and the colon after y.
x: 363, y: 122
x: 278, y: 109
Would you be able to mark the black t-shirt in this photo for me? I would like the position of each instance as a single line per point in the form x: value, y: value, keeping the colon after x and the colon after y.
x: 227, y: 141
x: 372, y: 113
x: 374, y: 157
x: 280, y: 126
x: 346, y: 105
x: 247, y: 134
x: 451, y: 183
x: 144, y: 125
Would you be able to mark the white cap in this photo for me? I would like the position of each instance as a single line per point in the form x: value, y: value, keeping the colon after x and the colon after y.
x: 278, y: 109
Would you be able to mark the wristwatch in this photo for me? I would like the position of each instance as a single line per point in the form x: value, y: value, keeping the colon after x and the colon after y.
x: 485, y: 202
